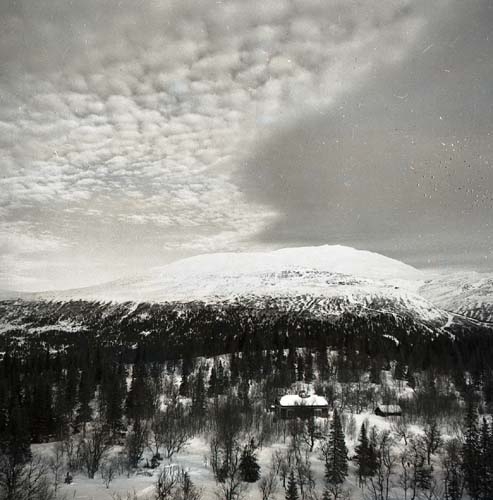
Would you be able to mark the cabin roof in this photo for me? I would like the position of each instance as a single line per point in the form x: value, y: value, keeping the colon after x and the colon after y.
x: 296, y: 400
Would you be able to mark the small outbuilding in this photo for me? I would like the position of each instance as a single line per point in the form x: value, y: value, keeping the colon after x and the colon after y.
x: 388, y: 411
x: 301, y: 405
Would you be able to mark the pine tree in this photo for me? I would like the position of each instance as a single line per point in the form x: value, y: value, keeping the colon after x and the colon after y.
x: 234, y: 368
x: 363, y: 455
x: 375, y: 373
x: 290, y: 367
x: 322, y: 363
x: 70, y: 389
x: 373, y: 459
x: 220, y: 378
x: 41, y: 410
x: 308, y: 367
x: 249, y: 467
x: 471, y: 452
x: 336, y: 467
x: 15, y: 443
x: 198, y: 394
x: 292, y: 489
x: 141, y: 395
x: 300, y: 368
x: 485, y: 472
x: 86, y: 393
x: 113, y: 392
x: 489, y: 460
x: 184, y: 389
x: 400, y: 370
x: 243, y: 394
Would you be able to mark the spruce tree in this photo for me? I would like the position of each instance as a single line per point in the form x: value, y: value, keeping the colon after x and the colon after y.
x: 113, y: 393
x: 184, y: 388
x: 373, y: 458
x: 185, y: 372
x: 41, y: 410
x: 489, y: 461
x: 363, y: 455
x: 336, y: 467
x: 292, y: 489
x: 198, y: 394
x: 471, y: 452
x: 300, y: 368
x: 70, y: 389
x: 86, y: 393
x: 220, y: 379
x: 322, y: 363
x: 290, y: 367
x: 485, y: 472
x: 243, y: 394
x: 308, y: 367
x: 249, y: 467
x: 234, y: 368
x: 15, y: 443
x: 141, y: 395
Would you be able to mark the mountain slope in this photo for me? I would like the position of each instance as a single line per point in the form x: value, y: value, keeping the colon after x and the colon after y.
x: 468, y: 294
x: 317, y: 282
x: 322, y: 283
x: 212, y: 277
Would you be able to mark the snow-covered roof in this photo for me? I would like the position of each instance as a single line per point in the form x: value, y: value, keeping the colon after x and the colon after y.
x: 296, y: 400
x: 390, y: 408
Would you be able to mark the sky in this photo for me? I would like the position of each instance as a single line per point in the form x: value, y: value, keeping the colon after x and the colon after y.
x: 134, y: 133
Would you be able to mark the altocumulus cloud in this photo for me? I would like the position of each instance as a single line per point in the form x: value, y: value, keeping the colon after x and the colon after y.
x: 122, y: 122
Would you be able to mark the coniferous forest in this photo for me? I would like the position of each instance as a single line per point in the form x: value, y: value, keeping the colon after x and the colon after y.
x: 128, y: 394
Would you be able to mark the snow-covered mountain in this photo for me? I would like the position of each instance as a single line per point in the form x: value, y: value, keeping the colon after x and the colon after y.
x: 324, y: 281
x: 469, y: 294
x: 321, y: 270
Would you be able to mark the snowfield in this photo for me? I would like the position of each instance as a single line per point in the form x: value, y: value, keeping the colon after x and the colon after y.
x: 469, y: 294
x: 318, y: 271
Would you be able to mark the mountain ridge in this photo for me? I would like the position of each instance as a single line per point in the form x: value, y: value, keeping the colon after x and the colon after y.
x: 326, y: 280
x: 232, y: 274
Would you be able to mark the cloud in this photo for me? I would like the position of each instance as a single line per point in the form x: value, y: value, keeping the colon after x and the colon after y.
x: 141, y: 112
x: 401, y: 165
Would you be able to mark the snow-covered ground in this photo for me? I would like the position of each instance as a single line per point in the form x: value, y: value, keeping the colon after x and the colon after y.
x: 194, y: 459
x: 468, y: 293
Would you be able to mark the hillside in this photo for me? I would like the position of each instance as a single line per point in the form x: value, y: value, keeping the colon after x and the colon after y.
x: 221, y: 302
x: 468, y: 294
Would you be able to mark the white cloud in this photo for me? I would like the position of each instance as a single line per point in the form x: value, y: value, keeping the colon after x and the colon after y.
x: 141, y: 112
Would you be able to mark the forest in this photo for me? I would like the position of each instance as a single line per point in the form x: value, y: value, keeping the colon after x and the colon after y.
x: 107, y: 402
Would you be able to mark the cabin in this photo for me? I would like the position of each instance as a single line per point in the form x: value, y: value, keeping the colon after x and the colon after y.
x: 301, y: 405
x: 388, y: 411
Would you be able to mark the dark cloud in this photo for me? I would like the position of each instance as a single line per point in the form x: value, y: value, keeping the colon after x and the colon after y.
x: 403, y: 165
